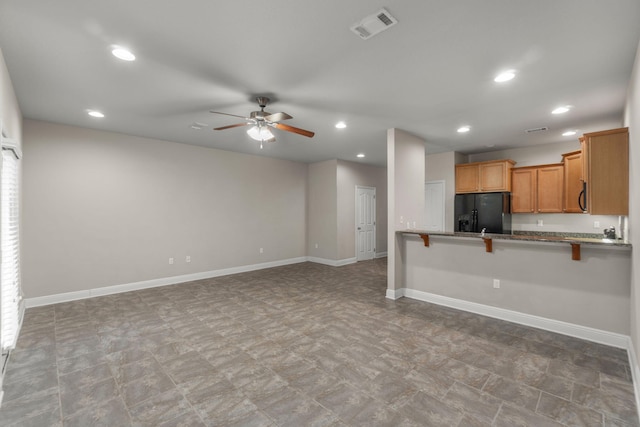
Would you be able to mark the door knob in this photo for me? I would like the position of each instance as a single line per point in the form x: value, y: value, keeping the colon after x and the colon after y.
x: 359, y: 228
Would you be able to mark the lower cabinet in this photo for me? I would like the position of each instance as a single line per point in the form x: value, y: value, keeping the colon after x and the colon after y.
x: 537, y: 189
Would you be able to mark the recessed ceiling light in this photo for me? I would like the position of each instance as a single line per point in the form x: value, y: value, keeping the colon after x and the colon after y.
x: 561, y: 110
x: 464, y: 129
x: 94, y: 113
x: 361, y: 155
x: 569, y: 133
x: 122, y: 53
x: 341, y: 125
x: 505, y: 76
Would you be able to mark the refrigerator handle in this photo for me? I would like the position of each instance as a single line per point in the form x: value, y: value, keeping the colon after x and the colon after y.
x: 474, y: 220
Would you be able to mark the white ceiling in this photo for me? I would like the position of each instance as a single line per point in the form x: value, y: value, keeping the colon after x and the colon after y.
x: 427, y: 75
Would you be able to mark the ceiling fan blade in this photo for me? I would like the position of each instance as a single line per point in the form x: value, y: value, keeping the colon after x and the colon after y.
x: 227, y: 114
x: 293, y: 129
x: 276, y: 117
x: 232, y: 126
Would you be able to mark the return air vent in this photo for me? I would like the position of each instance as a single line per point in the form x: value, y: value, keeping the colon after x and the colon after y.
x: 540, y: 129
x: 374, y: 24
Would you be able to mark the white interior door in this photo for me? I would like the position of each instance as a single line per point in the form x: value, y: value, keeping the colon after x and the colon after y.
x: 434, y: 205
x: 365, y: 223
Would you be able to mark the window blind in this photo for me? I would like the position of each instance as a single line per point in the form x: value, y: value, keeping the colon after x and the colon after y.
x: 10, y: 292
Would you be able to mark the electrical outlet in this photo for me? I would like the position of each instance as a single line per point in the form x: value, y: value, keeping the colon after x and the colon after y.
x: 596, y: 224
x: 316, y: 246
x: 170, y: 260
x: 496, y: 283
x: 261, y: 250
x: 187, y: 258
x: 539, y: 222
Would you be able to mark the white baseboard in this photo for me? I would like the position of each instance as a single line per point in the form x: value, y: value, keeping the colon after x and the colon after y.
x: 381, y: 254
x: 164, y: 281
x: 332, y: 262
x: 116, y: 289
x: 346, y: 261
x: 635, y: 372
x: 583, y: 332
x: 2, y: 378
x: 395, y: 294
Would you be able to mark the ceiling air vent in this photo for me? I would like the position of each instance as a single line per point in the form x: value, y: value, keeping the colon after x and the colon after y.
x: 374, y: 24
x: 540, y: 129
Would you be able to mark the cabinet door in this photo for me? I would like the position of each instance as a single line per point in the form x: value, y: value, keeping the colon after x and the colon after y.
x: 550, y: 189
x: 608, y: 172
x: 467, y: 178
x: 572, y: 182
x: 494, y: 177
x: 523, y: 190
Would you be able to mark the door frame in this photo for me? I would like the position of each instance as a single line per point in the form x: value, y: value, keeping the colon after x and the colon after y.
x: 375, y: 218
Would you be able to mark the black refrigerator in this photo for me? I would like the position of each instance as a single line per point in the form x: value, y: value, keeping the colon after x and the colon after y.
x: 488, y: 211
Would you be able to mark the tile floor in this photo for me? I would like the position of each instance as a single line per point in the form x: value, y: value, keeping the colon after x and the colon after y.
x: 302, y: 345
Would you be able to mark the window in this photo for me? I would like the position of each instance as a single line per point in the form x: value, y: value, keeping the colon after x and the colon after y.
x: 10, y: 293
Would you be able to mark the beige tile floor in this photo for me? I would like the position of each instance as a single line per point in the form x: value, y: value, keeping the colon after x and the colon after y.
x: 302, y: 345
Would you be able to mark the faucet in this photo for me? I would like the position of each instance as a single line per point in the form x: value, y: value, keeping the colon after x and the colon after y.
x: 483, y: 230
x: 610, y: 233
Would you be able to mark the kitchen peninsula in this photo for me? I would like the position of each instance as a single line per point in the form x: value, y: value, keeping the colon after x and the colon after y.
x: 528, y: 279
x: 573, y: 285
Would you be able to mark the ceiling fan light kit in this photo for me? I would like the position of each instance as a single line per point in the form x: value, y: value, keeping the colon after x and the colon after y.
x: 262, y: 120
x: 262, y: 134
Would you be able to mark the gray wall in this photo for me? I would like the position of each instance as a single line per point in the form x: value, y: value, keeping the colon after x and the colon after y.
x: 531, y: 156
x: 632, y: 119
x: 536, y: 278
x: 10, y: 114
x: 322, y: 223
x: 104, y: 209
x: 405, y: 198
x: 350, y: 174
x: 441, y: 167
x: 331, y: 207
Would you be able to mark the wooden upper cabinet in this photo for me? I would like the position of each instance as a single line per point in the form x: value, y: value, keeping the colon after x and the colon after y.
x: 523, y: 190
x: 606, y: 171
x: 495, y: 176
x: 550, y: 188
x: 572, y: 181
x: 480, y: 177
x: 467, y: 178
x: 537, y: 189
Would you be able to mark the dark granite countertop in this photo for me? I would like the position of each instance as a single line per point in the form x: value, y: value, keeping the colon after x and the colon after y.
x: 531, y: 236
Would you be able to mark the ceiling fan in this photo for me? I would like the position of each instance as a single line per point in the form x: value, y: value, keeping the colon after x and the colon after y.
x: 262, y: 121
